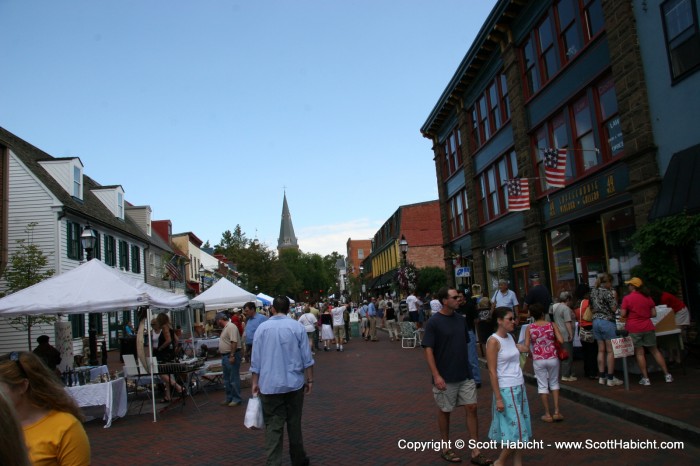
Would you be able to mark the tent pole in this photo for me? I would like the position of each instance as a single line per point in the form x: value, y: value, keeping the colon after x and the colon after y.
x: 149, y: 316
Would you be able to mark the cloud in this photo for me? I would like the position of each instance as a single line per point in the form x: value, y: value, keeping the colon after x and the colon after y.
x: 325, y: 239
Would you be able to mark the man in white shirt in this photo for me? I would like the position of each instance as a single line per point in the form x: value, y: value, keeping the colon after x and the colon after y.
x: 338, y: 325
x: 412, y: 303
x: 504, y: 297
x: 435, y: 305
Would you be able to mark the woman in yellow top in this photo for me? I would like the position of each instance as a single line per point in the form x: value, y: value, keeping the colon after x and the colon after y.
x: 50, y: 418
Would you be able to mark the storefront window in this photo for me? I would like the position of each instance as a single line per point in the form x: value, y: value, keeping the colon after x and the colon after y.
x: 520, y: 252
x: 619, y: 227
x: 562, y: 259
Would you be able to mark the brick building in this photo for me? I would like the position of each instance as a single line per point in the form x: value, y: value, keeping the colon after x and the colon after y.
x: 540, y: 75
x: 419, y: 224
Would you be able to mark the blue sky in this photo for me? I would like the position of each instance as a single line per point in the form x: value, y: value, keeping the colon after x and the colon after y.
x: 206, y: 110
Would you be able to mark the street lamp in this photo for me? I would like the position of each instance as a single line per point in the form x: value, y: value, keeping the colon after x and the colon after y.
x: 403, y: 247
x: 88, y: 240
x: 362, y: 282
x: 201, y: 275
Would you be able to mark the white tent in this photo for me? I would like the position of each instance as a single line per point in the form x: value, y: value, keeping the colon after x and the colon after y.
x: 265, y: 299
x: 90, y: 287
x: 224, y: 295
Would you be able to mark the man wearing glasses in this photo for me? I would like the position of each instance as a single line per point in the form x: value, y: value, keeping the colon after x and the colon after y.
x: 446, y: 344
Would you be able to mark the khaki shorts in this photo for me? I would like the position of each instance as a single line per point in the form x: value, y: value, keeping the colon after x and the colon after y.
x: 647, y: 339
x: 339, y: 332
x: 456, y: 394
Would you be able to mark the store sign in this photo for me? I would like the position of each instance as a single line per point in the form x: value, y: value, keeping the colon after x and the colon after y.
x: 622, y: 347
x: 617, y: 144
x: 588, y: 193
x: 463, y: 272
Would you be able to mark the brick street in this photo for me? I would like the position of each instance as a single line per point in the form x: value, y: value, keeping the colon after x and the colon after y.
x: 365, y: 401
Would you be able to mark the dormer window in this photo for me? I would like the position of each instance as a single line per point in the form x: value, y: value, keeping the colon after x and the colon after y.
x: 77, y: 182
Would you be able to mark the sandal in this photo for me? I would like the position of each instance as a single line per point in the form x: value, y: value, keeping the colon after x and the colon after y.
x: 481, y: 460
x: 450, y: 457
x: 558, y: 417
x: 547, y: 418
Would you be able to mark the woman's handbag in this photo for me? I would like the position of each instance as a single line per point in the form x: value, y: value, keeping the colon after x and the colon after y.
x: 586, y: 335
x: 588, y: 314
x: 253, y: 414
x: 562, y: 354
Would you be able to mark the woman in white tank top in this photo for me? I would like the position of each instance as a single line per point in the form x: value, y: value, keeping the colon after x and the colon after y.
x: 510, y: 410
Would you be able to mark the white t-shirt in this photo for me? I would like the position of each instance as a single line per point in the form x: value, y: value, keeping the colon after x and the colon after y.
x: 337, y: 313
x: 505, y: 300
x: 308, y: 320
x: 411, y: 301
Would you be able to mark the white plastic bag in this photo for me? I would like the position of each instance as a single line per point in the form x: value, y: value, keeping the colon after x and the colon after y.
x: 253, y: 414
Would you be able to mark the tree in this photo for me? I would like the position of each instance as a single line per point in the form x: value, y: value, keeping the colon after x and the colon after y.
x: 431, y: 279
x: 28, y: 266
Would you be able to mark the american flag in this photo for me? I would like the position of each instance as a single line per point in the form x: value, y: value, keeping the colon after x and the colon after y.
x: 555, y: 167
x: 173, y: 269
x: 518, y: 195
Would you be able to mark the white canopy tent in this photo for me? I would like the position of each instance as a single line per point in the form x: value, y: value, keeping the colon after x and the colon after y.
x: 91, y: 287
x: 224, y: 295
x: 265, y: 299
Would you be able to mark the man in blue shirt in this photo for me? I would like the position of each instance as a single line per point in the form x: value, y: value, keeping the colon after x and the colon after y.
x: 372, y: 316
x: 281, y: 359
x: 253, y: 320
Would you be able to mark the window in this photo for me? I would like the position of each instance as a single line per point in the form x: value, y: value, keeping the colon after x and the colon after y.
x: 77, y: 325
x: 561, y: 34
x: 123, y: 255
x: 452, y: 153
x: 493, y: 195
x: 135, y: 259
x: 589, y: 126
x: 110, y: 250
x: 97, y: 252
x: 152, y: 264
x: 360, y: 253
x: 490, y: 112
x: 567, y: 11
x: 457, y: 214
x: 77, y: 182
x: 682, y: 36
x: 73, y: 250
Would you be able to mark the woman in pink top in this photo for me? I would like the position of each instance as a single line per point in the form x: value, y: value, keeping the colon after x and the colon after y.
x: 539, y: 339
x: 639, y: 308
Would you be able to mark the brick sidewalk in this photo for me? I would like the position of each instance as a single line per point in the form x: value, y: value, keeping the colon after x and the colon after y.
x: 365, y: 401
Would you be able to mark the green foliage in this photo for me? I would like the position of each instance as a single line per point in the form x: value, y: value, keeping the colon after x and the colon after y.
x: 658, y: 243
x: 431, y: 279
x: 27, y: 267
x: 292, y: 273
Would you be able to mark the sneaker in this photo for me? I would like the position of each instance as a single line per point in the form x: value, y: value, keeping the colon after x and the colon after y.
x: 569, y: 379
x: 614, y: 381
x: 225, y: 403
x: 234, y: 403
x: 669, y: 378
x: 602, y: 380
x: 644, y: 381
x: 341, y: 349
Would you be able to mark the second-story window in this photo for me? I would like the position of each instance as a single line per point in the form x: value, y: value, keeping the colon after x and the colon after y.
x: 110, y: 250
x: 73, y: 247
x: 457, y: 214
x: 124, y: 255
x: 492, y: 187
x: 490, y: 112
x: 452, y: 153
x: 135, y: 259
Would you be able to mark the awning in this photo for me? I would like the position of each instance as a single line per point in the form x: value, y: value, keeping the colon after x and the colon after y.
x: 680, y: 189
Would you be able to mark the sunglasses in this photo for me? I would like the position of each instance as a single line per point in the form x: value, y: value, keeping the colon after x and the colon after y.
x: 14, y: 356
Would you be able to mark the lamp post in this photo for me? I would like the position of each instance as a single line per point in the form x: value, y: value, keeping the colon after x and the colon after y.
x: 201, y: 276
x: 88, y: 239
x: 362, y: 282
x: 403, y: 247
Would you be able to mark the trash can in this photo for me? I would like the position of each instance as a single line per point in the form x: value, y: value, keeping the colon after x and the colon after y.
x: 354, y: 325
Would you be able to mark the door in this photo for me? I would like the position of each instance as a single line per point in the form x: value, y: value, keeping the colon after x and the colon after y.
x: 521, y: 286
x: 591, y: 266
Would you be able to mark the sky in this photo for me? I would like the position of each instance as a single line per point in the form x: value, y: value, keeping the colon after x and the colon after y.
x: 209, y: 111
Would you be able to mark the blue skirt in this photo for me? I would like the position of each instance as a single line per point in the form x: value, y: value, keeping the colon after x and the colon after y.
x: 513, y: 423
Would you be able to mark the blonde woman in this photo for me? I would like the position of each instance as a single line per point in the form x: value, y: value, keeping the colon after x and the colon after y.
x: 12, y: 448
x: 50, y: 418
x: 604, y: 305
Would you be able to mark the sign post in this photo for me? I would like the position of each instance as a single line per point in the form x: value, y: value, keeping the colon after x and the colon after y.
x: 623, y: 347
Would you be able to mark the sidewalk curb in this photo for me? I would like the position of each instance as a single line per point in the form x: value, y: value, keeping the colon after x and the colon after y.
x: 653, y: 421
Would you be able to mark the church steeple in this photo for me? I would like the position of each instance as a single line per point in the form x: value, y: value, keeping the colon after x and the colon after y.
x: 287, y: 240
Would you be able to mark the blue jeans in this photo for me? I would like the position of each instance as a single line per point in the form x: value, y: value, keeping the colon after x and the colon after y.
x: 232, y: 377
x: 473, y: 358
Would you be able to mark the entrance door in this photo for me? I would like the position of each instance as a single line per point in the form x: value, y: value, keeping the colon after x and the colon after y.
x: 591, y: 266
x: 521, y: 287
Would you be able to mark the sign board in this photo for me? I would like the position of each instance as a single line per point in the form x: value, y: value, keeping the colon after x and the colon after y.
x: 622, y: 347
x: 463, y: 272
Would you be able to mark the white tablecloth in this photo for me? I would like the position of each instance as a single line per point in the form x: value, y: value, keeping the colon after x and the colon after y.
x: 111, y: 395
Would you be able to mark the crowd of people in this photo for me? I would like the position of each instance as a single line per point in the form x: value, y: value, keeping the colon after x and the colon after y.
x: 456, y: 326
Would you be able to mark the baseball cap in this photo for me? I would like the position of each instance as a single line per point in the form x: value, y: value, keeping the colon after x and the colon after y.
x: 634, y: 281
